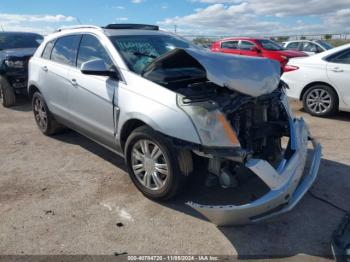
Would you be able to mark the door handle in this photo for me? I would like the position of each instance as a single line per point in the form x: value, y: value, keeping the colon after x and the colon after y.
x: 74, y: 82
x: 45, y: 69
x: 337, y: 70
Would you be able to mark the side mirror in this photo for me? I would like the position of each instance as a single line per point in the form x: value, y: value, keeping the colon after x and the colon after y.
x: 98, y: 67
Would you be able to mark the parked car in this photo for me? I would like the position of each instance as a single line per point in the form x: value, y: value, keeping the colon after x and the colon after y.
x: 321, y: 81
x: 15, y: 50
x: 160, y: 102
x: 310, y: 47
x: 256, y: 47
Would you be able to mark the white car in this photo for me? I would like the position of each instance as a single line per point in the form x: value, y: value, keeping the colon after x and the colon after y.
x: 321, y: 81
x: 310, y: 47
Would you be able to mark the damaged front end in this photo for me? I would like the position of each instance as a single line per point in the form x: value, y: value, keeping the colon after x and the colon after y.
x: 243, y: 120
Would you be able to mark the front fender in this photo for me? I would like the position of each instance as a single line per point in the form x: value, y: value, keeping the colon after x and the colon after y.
x: 162, y: 117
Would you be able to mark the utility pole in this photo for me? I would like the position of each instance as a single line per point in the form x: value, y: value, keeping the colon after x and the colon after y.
x: 175, y: 28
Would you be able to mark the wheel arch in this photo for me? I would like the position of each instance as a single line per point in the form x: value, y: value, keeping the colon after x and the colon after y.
x: 307, y: 87
x: 128, y: 127
x: 31, y: 90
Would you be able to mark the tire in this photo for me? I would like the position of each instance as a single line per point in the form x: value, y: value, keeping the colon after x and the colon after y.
x: 43, y: 117
x: 321, y: 101
x: 7, y: 93
x: 171, y: 179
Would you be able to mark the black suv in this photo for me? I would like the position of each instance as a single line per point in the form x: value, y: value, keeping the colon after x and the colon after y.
x: 16, y: 48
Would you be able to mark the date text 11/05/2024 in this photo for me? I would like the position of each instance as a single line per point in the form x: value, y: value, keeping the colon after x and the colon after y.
x: 173, y: 258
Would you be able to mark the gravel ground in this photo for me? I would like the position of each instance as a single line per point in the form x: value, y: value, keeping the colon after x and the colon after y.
x: 68, y: 195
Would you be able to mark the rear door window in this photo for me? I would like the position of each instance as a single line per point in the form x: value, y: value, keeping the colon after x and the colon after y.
x: 246, y: 45
x: 293, y: 46
x: 310, y: 47
x: 66, y: 49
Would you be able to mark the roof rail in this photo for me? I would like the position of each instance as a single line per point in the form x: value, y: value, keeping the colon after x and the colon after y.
x: 132, y: 26
x: 77, y: 27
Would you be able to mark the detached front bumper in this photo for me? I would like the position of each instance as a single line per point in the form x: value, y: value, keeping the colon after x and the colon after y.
x: 288, y: 183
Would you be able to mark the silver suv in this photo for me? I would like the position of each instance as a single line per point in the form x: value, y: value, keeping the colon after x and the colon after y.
x: 163, y: 104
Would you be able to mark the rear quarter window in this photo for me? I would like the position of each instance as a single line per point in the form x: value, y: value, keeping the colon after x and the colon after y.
x: 229, y: 45
x: 66, y: 49
x: 342, y: 57
x: 48, y: 49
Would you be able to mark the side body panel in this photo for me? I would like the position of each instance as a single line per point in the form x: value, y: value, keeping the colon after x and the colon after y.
x: 339, y: 76
x: 54, y: 83
x: 90, y: 100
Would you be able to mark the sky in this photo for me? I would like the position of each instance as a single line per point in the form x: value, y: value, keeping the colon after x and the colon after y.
x: 190, y: 17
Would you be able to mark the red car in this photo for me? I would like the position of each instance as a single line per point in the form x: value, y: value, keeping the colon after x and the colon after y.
x: 256, y: 47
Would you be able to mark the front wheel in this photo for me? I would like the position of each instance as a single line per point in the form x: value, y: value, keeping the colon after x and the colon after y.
x: 153, y: 164
x: 320, y: 101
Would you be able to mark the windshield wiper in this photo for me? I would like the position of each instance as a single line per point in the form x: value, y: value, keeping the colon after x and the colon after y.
x: 144, y: 54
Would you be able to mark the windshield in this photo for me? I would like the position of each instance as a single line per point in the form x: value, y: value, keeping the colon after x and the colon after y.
x: 138, y: 51
x: 270, y: 45
x: 324, y: 44
x: 14, y: 40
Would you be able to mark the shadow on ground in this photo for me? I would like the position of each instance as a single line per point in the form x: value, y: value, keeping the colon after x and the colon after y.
x: 340, y: 116
x: 305, y: 230
x: 72, y: 137
x: 22, y: 104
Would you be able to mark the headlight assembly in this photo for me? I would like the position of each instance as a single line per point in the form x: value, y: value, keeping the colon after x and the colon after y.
x: 212, y: 126
x: 14, y: 64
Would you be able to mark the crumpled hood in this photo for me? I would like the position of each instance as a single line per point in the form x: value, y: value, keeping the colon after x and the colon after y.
x: 252, y: 76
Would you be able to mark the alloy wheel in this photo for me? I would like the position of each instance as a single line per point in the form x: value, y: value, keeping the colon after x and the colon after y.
x: 40, y: 113
x: 319, y: 101
x: 149, y: 165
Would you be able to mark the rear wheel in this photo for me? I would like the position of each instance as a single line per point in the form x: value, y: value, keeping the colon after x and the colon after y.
x: 321, y: 101
x: 153, y: 164
x: 7, y: 93
x: 43, y: 117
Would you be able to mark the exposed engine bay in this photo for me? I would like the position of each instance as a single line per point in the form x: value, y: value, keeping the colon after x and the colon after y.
x: 258, y: 122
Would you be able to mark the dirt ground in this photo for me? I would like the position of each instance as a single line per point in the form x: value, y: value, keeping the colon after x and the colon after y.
x: 68, y: 195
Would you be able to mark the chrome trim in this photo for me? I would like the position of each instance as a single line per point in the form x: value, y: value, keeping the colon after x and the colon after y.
x: 116, y: 119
